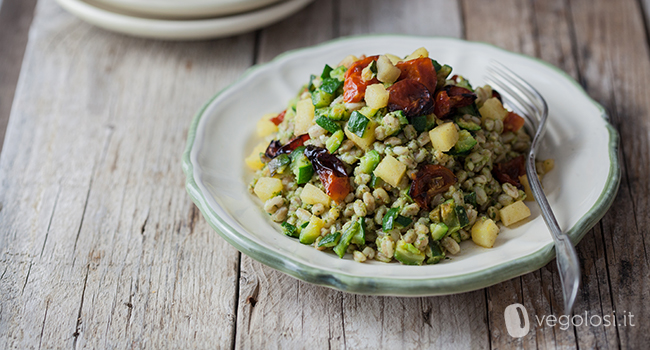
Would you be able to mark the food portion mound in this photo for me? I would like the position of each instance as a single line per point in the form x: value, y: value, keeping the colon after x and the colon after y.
x: 392, y: 158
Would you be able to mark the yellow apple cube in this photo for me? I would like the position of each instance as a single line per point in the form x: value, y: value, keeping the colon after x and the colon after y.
x: 484, y: 232
x: 493, y: 109
x: 376, y: 96
x: 421, y: 52
x: 347, y: 61
x: 386, y: 70
x: 267, y: 188
x: 253, y: 160
x: 390, y: 170
x: 444, y: 137
x: 394, y: 59
x: 314, y: 195
x: 309, y: 234
x: 304, y: 117
x: 513, y: 213
x: 265, y: 126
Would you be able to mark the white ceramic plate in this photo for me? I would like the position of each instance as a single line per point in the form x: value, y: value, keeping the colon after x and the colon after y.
x: 580, y: 188
x: 182, y: 29
x: 175, y: 9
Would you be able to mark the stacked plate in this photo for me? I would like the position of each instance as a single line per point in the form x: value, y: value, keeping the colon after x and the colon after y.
x: 182, y: 19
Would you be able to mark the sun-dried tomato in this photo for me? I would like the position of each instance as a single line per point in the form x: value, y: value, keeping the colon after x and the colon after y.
x: 497, y: 95
x: 450, y: 98
x: 354, y: 87
x: 331, y: 172
x: 275, y: 148
x: 428, y: 181
x: 420, y: 70
x: 510, y: 171
x: 513, y: 122
x: 411, y: 97
x: 278, y: 118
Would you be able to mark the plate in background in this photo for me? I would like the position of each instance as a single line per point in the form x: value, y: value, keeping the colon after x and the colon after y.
x: 578, y: 137
x: 183, y: 29
x: 180, y: 9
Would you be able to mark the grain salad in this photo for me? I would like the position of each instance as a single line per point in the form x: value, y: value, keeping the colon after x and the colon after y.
x: 388, y: 158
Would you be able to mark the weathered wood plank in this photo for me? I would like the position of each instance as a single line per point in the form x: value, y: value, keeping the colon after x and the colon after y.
x: 100, y: 244
x: 15, y: 19
x: 276, y: 311
x: 616, y: 71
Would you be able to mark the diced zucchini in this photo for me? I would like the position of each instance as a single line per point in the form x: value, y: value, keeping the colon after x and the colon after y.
x: 484, y: 232
x: 438, y: 230
x: 400, y: 116
x: 471, y: 110
x: 289, y: 230
x: 279, y: 164
x: 359, y: 237
x: 470, y: 198
x: 436, y: 65
x: 388, y: 222
x: 337, y: 112
x: 330, y: 240
x: 313, y: 195
x: 444, y: 137
x: 369, y: 162
x: 390, y: 170
x: 304, y: 117
x: 376, y: 96
x: 358, y: 123
x: 328, y: 124
x: 343, y: 244
x: 375, y: 182
x: 267, y: 188
x: 331, y: 85
x: 403, y: 221
x: 407, y: 254
x: 320, y: 98
x: 309, y: 234
x: 461, y: 214
x: 448, y: 215
x: 467, y: 124
x: 326, y: 72
x: 301, y: 166
x: 420, y: 123
x: 334, y: 142
x: 442, y: 74
x: 437, y: 254
x: 368, y: 138
x: 465, y: 142
x: 513, y: 213
x: 455, y: 236
x: 338, y: 73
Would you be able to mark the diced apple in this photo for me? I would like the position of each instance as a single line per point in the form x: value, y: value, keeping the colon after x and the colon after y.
x: 484, y: 232
x: 421, y: 52
x: 265, y: 126
x: 368, y: 138
x: 304, y: 117
x: 513, y: 213
x: 267, y: 188
x: 394, y: 59
x: 347, y: 61
x: 444, y: 137
x: 376, y: 96
x: 529, y: 193
x: 309, y: 234
x: 314, y: 195
x: 493, y: 109
x: 548, y: 165
x: 386, y: 70
x: 390, y: 170
x: 253, y: 160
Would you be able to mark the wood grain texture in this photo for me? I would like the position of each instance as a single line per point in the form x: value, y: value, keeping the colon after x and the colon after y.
x: 101, y: 246
x: 15, y: 19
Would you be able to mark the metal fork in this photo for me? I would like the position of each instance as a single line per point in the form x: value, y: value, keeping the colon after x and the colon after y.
x: 525, y: 100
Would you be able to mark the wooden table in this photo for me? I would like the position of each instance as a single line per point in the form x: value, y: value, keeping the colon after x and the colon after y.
x: 100, y: 246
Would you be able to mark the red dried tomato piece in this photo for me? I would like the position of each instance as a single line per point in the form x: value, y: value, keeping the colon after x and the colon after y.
x: 331, y: 172
x: 278, y: 118
x: 411, y: 97
x: 497, y: 95
x: 354, y: 87
x: 513, y: 122
x: 275, y: 148
x: 428, y: 181
x: 450, y: 98
x: 420, y: 70
x: 510, y: 171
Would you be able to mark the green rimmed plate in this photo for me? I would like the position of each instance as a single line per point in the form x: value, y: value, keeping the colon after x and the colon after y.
x: 580, y: 188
